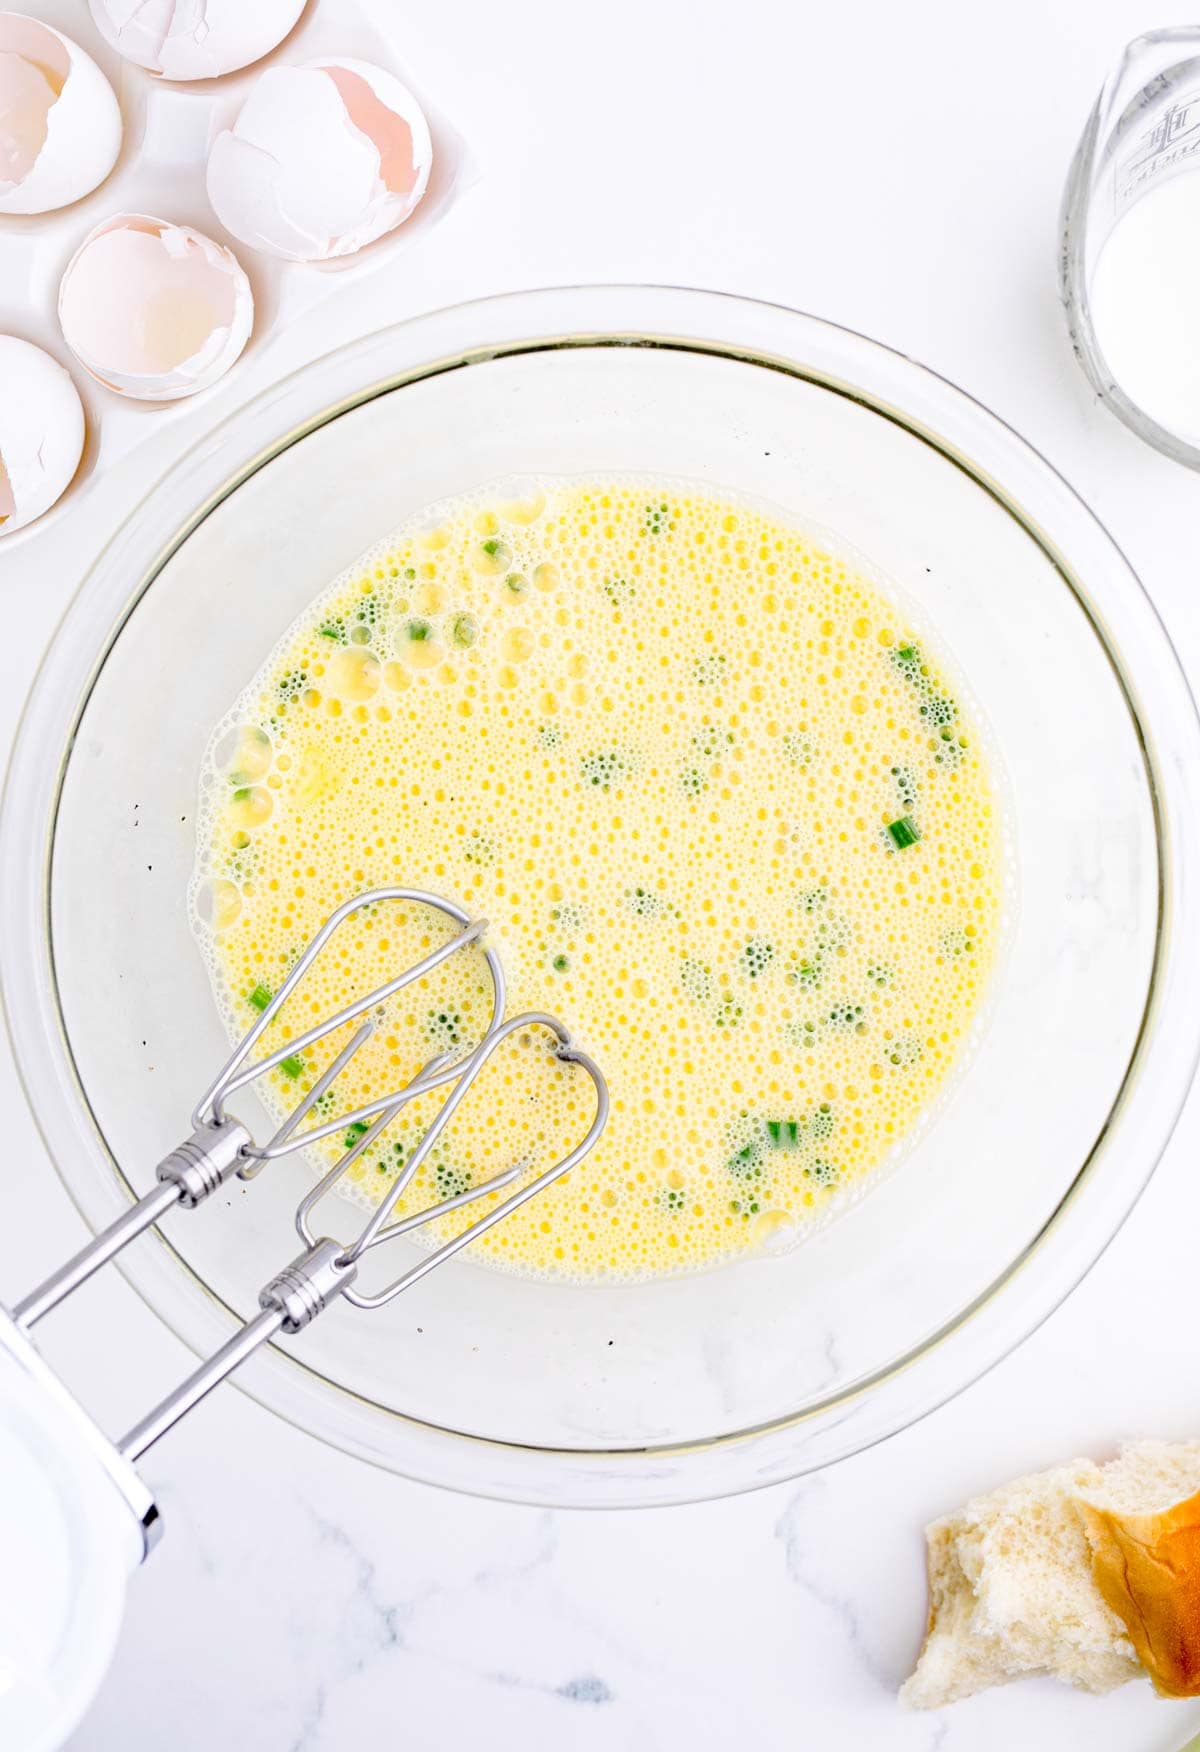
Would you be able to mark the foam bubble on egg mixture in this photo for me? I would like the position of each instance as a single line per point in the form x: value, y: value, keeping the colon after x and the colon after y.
x: 726, y: 810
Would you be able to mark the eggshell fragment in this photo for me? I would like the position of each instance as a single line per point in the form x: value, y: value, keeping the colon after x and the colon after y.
x: 154, y: 310
x: 194, y: 39
x: 60, y: 124
x: 41, y: 432
x: 321, y: 160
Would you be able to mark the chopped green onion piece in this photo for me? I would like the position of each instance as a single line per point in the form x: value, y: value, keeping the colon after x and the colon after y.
x: 491, y: 548
x: 358, y: 1129
x: 292, y: 1066
x: 260, y: 997
x: 903, y: 832
x: 419, y: 630
x: 242, y: 792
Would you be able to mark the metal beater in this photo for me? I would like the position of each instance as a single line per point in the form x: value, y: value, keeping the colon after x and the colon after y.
x: 220, y: 1147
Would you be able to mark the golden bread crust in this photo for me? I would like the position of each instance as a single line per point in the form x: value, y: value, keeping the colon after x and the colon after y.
x: 1147, y: 1567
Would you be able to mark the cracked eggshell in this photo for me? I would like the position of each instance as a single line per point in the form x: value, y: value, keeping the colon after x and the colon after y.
x: 321, y: 160
x: 41, y: 432
x: 194, y: 39
x: 154, y: 310
x: 60, y: 124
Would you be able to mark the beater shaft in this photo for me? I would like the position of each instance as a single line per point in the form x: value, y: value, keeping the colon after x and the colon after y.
x: 198, y: 1386
x: 105, y: 1246
x: 192, y: 1171
x: 293, y: 1298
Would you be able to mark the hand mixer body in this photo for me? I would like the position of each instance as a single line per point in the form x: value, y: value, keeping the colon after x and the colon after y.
x: 75, y: 1517
x: 75, y: 1521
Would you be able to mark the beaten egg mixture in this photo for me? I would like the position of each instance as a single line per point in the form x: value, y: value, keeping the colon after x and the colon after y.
x: 725, y: 812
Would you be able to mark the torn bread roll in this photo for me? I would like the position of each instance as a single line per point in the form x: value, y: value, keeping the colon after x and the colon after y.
x: 1090, y: 1574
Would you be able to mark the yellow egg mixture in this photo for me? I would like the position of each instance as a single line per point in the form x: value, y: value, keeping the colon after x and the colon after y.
x: 722, y: 806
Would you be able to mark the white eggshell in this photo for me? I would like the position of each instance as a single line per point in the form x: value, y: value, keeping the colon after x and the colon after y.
x: 194, y: 39
x: 60, y: 124
x: 154, y: 310
x: 41, y: 432
x: 321, y: 160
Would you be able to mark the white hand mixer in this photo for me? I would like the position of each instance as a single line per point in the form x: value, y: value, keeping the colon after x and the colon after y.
x: 75, y: 1516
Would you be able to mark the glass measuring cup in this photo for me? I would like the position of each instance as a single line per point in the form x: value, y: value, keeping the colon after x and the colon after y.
x: 1129, y: 261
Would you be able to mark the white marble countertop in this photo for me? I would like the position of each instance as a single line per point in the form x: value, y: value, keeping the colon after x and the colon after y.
x: 897, y: 169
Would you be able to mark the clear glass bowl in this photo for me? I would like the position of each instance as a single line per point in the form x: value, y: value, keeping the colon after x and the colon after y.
x: 692, y: 1386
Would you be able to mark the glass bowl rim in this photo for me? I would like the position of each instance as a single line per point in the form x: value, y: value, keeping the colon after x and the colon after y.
x: 932, y: 410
